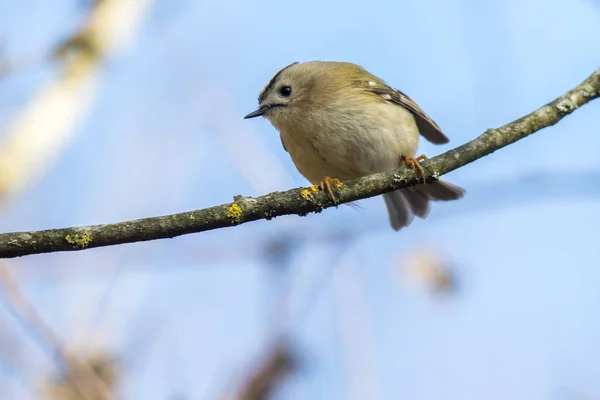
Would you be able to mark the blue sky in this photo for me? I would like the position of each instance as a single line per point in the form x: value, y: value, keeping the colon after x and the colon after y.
x: 166, y: 135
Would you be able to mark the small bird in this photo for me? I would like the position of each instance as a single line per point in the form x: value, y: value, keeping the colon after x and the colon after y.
x: 339, y: 122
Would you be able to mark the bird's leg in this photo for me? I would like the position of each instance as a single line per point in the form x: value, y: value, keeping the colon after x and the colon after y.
x: 326, y: 184
x: 413, y: 163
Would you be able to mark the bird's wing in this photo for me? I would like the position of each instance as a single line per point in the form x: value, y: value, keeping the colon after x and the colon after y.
x: 428, y: 128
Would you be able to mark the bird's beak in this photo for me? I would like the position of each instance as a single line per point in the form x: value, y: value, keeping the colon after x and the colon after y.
x: 261, y: 110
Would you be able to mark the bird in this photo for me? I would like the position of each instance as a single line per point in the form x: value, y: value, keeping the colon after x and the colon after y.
x: 339, y: 122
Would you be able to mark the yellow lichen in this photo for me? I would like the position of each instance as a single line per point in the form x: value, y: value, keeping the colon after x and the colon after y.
x: 235, y: 212
x: 81, y: 241
x: 308, y: 191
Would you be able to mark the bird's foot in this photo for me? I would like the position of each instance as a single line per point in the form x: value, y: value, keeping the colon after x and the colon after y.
x: 413, y: 163
x: 326, y: 184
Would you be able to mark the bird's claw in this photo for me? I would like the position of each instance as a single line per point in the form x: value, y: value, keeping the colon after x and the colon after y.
x: 413, y: 163
x: 326, y: 184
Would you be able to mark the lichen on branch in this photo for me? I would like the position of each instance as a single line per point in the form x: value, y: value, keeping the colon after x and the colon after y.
x: 299, y: 201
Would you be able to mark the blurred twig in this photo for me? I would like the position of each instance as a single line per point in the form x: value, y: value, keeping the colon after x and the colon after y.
x: 427, y: 268
x: 81, y: 377
x: 95, y: 377
x: 295, y: 201
x: 278, y: 360
x: 275, y: 366
x: 36, y: 135
x: 13, y: 359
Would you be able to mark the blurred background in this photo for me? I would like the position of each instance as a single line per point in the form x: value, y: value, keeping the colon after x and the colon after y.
x: 120, y: 109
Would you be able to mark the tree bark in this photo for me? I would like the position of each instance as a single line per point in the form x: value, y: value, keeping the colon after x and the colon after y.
x: 299, y: 201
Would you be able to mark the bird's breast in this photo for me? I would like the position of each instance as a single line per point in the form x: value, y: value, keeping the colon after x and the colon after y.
x: 350, y: 142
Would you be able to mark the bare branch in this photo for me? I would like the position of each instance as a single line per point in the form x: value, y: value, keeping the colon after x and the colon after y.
x: 299, y: 201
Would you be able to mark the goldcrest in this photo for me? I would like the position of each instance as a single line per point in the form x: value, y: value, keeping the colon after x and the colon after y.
x: 340, y: 122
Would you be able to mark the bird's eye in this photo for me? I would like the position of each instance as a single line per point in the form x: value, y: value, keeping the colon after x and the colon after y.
x: 285, y: 91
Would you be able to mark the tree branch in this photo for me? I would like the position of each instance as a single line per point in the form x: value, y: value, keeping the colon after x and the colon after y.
x: 279, y: 362
x: 299, y: 201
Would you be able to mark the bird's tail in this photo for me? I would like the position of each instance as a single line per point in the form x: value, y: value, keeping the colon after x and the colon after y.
x: 404, y: 204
